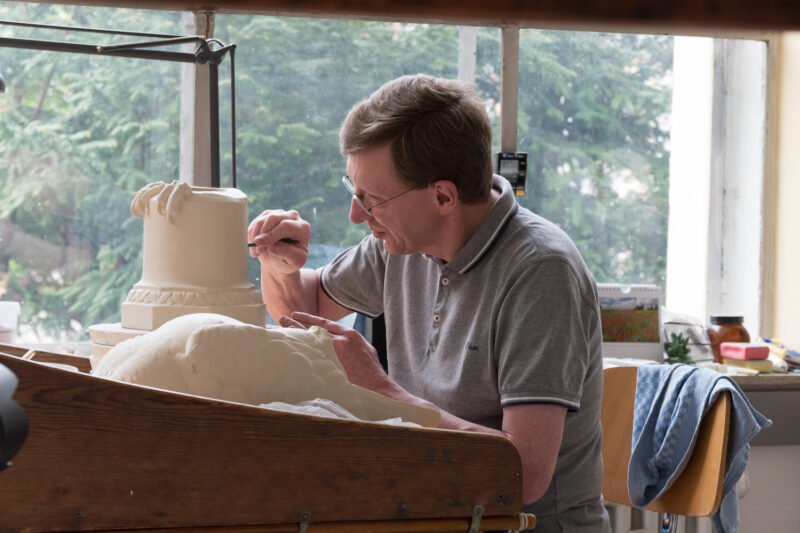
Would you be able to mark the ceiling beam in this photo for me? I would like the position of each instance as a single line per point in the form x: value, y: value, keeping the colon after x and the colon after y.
x: 651, y: 16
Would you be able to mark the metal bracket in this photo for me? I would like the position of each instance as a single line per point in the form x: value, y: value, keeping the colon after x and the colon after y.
x: 305, y: 519
x: 477, y: 513
x: 669, y: 523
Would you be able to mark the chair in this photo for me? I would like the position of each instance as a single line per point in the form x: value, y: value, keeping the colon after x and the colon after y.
x: 698, y: 490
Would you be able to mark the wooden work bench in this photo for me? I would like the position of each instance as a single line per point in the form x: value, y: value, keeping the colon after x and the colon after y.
x: 103, y: 455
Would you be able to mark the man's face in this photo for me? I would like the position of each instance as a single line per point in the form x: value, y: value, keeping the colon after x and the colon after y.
x: 403, y: 223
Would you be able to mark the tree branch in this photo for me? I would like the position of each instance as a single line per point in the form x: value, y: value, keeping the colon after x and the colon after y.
x: 43, y: 93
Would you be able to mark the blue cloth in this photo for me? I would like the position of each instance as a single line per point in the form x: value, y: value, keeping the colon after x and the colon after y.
x: 670, y: 402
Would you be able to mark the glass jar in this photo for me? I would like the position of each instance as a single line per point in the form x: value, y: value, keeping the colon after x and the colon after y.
x: 725, y: 329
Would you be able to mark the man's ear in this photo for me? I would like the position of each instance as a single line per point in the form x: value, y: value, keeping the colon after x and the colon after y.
x: 446, y: 196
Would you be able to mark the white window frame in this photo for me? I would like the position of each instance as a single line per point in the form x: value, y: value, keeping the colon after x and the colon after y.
x: 195, y: 132
x: 718, y: 180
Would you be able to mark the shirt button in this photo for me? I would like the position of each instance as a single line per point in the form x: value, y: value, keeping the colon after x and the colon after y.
x: 436, y: 318
x: 445, y: 281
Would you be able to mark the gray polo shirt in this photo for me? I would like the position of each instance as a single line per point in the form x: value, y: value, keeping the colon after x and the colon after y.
x: 512, y: 319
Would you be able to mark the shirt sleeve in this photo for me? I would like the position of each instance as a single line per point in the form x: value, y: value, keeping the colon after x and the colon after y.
x: 355, y: 278
x: 547, y: 331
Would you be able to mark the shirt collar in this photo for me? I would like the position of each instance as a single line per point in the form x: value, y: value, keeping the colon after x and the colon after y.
x: 490, y: 229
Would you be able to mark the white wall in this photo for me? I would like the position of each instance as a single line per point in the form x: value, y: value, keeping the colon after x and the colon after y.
x: 770, y: 506
x: 774, y: 471
x: 786, y: 290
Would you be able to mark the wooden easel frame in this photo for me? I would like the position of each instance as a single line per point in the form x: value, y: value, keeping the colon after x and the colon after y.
x: 103, y: 455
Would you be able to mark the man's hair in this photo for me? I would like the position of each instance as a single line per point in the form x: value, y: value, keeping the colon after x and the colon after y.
x: 438, y: 130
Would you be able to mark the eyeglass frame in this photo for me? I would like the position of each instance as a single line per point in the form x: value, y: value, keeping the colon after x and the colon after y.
x: 347, y: 181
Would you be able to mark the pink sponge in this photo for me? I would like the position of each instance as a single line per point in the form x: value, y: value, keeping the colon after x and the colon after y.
x: 743, y: 350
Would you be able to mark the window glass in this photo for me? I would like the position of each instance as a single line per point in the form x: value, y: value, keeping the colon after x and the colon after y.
x: 295, y: 81
x: 594, y: 113
x: 79, y: 135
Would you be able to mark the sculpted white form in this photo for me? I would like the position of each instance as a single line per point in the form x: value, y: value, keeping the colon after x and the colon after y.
x: 219, y: 357
x: 194, y: 257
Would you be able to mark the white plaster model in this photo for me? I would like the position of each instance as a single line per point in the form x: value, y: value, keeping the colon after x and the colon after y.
x: 195, y: 256
x: 219, y: 357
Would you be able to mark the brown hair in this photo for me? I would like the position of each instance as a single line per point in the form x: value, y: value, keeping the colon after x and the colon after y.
x: 439, y: 130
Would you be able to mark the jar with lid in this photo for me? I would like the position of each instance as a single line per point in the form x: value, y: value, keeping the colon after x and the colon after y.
x: 725, y: 329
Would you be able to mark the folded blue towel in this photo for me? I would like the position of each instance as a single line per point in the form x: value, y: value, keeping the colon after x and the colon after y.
x: 670, y: 402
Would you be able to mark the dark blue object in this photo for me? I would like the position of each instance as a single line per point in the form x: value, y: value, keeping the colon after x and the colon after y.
x: 374, y: 330
x: 13, y: 421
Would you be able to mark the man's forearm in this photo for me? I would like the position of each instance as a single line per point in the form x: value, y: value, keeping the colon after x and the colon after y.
x: 290, y: 292
x: 535, y: 430
x: 393, y: 390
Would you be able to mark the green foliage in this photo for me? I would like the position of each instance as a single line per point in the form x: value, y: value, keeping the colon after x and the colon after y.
x: 593, y: 113
x: 29, y: 285
x: 294, y: 91
x: 80, y: 134
x: 677, y: 350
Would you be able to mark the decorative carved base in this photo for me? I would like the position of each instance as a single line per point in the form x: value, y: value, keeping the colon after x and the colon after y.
x: 147, y: 308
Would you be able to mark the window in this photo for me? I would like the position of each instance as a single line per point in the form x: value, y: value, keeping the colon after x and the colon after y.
x: 81, y: 134
x: 294, y: 92
x: 594, y: 116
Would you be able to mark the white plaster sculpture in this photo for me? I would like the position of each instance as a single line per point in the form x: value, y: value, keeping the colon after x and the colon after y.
x: 219, y: 357
x: 194, y: 257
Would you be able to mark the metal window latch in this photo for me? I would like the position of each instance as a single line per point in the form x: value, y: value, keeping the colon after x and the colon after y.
x: 305, y: 518
x: 477, y: 513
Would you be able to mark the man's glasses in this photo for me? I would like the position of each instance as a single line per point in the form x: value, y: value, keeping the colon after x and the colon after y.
x: 351, y: 188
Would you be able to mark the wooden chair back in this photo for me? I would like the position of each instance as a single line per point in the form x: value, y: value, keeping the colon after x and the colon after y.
x: 698, y: 490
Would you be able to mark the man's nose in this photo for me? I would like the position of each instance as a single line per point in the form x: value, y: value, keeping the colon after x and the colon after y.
x: 357, y: 213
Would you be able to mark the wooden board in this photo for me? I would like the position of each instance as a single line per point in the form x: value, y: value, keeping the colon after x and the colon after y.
x: 686, y: 16
x: 112, y: 334
x: 103, y: 455
x: 81, y: 362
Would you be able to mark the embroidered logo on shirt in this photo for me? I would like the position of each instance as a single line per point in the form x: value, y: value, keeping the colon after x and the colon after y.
x: 471, y: 347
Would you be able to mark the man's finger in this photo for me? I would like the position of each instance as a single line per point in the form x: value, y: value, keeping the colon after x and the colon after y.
x: 277, y: 227
x: 288, y: 322
x: 313, y: 320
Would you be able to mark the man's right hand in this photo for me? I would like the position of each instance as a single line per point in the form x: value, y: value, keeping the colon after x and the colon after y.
x: 357, y: 355
x: 281, y: 240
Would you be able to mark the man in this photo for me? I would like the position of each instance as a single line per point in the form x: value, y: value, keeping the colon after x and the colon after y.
x: 491, y: 314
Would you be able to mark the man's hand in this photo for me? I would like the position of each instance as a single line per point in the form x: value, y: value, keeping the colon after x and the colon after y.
x: 281, y: 240
x: 358, y: 357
